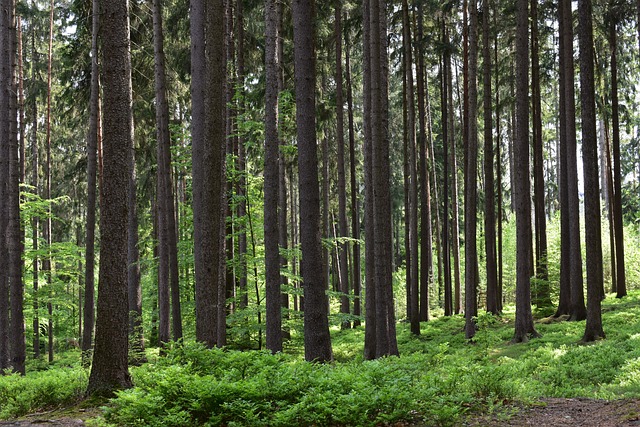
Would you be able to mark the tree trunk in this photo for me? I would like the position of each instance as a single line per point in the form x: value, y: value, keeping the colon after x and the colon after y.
x: 208, y: 136
x: 498, y: 162
x: 593, y: 329
x: 577, y: 309
x: 241, y: 189
x: 385, y: 319
x: 343, y: 248
x: 426, y: 248
x: 489, y: 196
x: 413, y: 176
x: 355, y: 203
x: 609, y: 202
x: 471, y: 188
x: 317, y: 342
x: 46, y: 232
x: 621, y: 281
x: 271, y: 182
x: 35, y: 222
x: 109, y: 370
x: 92, y: 162
x: 446, y: 62
x: 542, y: 296
x: 369, y: 230
x: 5, y: 90
x: 524, y: 327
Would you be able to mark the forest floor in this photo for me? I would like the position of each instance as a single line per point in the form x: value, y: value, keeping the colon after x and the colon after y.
x: 565, y: 413
x: 549, y: 412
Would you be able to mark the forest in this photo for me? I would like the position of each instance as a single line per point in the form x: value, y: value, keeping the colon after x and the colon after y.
x: 331, y: 213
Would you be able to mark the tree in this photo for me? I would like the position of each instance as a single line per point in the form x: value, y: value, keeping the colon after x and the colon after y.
x: 317, y: 342
x: 342, y: 181
x: 621, y: 285
x: 109, y: 370
x: 490, y: 202
x: 593, y: 329
x: 271, y: 181
x: 386, y: 343
x: 471, y: 170
x: 412, y: 207
x: 208, y: 136
x: 92, y: 161
x: 524, y: 319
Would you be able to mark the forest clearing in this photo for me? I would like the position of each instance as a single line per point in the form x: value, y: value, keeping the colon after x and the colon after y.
x: 319, y: 213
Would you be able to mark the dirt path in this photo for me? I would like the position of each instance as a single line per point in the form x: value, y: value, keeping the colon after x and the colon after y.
x: 568, y: 413
x: 58, y: 422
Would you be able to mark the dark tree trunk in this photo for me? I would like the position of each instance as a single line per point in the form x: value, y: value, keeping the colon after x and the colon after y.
x: 355, y: 203
x: 448, y: 298
x: 317, y: 341
x: 413, y: 176
x: 471, y: 189
x: 385, y: 319
x: 621, y: 281
x: 208, y: 136
x: 109, y: 370
x: 46, y: 232
x: 241, y: 270
x: 426, y: 249
x: 35, y: 222
x: 542, y: 296
x: 271, y: 182
x: 593, y: 329
x: 577, y: 308
x: 343, y: 248
x: 609, y: 202
x: 5, y: 90
x: 490, y: 202
x: 524, y: 327
x: 92, y: 163
x: 369, y: 231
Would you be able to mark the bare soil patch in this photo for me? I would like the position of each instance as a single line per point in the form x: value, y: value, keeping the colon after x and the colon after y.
x: 566, y: 413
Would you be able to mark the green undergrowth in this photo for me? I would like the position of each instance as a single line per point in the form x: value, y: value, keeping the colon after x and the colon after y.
x: 439, y: 379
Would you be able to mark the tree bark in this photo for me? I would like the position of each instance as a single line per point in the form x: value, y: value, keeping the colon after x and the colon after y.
x: 593, y: 328
x: 471, y: 171
x: 524, y: 328
x: 271, y: 182
x: 448, y: 298
x: 317, y: 342
x: 5, y: 90
x: 109, y: 370
x: 489, y: 184
x: 46, y: 232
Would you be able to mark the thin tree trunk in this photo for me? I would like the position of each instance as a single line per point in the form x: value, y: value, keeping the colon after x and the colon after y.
x: 609, y: 198
x: 498, y: 162
x: 542, y: 296
x: 490, y: 202
x: 241, y: 188
x: 271, y: 182
x: 46, y: 265
x: 35, y: 221
x: 621, y: 281
x: 448, y: 297
x: 355, y: 203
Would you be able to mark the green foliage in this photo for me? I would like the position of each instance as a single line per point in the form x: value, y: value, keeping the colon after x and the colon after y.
x: 41, y: 390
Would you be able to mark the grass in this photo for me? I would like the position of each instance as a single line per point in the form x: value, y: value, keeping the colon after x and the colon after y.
x: 438, y: 379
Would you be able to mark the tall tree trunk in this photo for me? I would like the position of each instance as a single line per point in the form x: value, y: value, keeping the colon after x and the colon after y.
x: 134, y: 287
x: 5, y: 91
x: 609, y: 198
x: 109, y: 370
x: 369, y: 231
x: 564, y: 303
x: 413, y: 176
x: 241, y: 189
x: 35, y: 222
x: 446, y: 62
x: 426, y: 249
x: 385, y: 318
x: 46, y: 265
x: 271, y: 182
x: 498, y: 177
x: 355, y: 203
x: 593, y: 329
x: 317, y: 342
x: 455, y: 211
x: 621, y: 281
x: 524, y: 327
x: 489, y: 185
x: 208, y: 135
x: 542, y: 296
x: 92, y: 163
x: 577, y: 308
x: 343, y: 248
x: 471, y: 189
